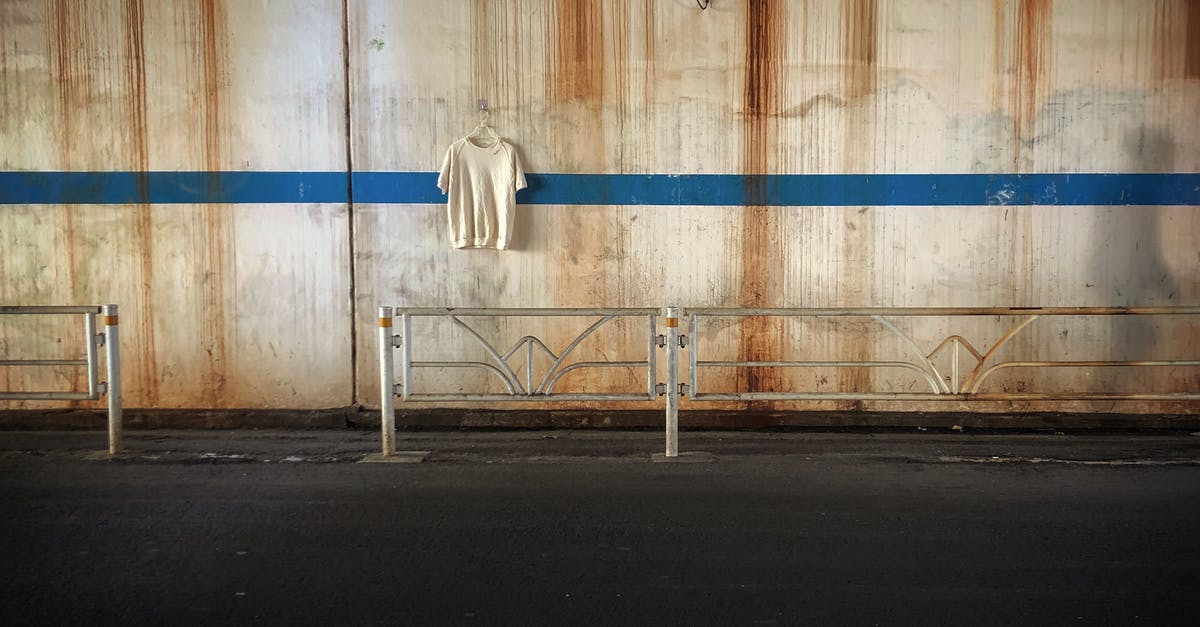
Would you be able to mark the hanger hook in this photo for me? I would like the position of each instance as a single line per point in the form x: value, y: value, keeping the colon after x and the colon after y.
x: 703, y: 4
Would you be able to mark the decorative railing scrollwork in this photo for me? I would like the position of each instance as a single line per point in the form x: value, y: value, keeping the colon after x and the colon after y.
x: 529, y: 347
x: 978, y: 365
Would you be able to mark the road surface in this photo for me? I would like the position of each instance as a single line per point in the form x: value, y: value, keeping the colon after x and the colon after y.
x: 583, y: 528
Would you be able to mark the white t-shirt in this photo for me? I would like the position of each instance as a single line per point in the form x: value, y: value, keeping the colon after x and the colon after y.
x: 481, y: 177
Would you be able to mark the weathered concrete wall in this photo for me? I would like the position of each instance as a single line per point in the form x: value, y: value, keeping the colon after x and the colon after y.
x: 249, y: 305
x: 223, y: 305
x: 790, y: 87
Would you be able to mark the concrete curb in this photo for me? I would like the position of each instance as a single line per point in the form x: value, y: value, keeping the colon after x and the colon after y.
x: 449, y: 418
x: 399, y: 457
x: 689, y: 457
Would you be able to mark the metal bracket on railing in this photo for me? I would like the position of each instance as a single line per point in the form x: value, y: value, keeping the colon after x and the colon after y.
x: 683, y: 341
x: 683, y: 389
x: 397, y: 341
x: 661, y: 389
x: 99, y: 340
x: 661, y: 341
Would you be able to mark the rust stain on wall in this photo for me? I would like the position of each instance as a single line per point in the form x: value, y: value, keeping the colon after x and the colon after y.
x: 212, y: 18
x: 1031, y: 65
x: 617, y: 56
x: 761, y: 339
x: 860, y: 50
x: 135, y: 76
x: 578, y: 51
x: 62, y: 45
x: 1033, y: 59
x: 1000, y: 56
x: 1191, y: 63
x: 1176, y: 39
x: 1031, y: 70
x: 1163, y: 45
x: 860, y: 22
x: 71, y: 85
x: 72, y: 82
x: 217, y: 233
x: 5, y: 79
x: 1021, y: 78
x: 649, y: 48
x: 575, y: 80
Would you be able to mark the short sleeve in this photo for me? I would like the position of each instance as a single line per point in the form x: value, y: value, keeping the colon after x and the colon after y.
x: 518, y: 172
x: 443, y: 181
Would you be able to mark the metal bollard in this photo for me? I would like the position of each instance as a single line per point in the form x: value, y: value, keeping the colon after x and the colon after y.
x: 387, y: 408
x: 672, y: 382
x: 112, y: 356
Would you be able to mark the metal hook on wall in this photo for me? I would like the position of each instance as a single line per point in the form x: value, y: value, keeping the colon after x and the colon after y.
x: 703, y: 4
x: 484, y: 113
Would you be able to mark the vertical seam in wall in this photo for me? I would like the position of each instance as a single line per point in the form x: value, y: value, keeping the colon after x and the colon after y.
x: 350, y: 204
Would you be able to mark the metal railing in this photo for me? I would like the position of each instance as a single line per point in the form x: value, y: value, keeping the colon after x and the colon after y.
x: 109, y: 340
x: 953, y: 385
x: 533, y: 388
x: 964, y: 378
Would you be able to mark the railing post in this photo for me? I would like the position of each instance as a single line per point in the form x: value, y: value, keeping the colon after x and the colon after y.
x: 672, y: 382
x: 406, y: 369
x: 93, y: 360
x: 112, y: 358
x: 387, y: 390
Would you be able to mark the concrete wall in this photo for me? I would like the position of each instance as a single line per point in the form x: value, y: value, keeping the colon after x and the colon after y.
x: 248, y: 305
x: 223, y: 305
x: 792, y: 88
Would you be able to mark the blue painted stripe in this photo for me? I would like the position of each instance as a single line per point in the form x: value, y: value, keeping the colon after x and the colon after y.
x: 40, y: 188
x: 863, y: 189
x: 609, y: 189
x: 397, y: 187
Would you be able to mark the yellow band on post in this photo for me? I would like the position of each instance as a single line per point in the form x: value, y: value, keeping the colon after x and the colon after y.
x: 110, y: 321
x: 385, y: 322
x: 672, y: 322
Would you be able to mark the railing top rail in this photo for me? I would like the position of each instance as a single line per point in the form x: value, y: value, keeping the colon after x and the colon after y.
x: 530, y: 312
x: 943, y: 311
x: 49, y: 309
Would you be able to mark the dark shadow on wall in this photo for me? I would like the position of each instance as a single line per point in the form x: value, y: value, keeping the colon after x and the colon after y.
x: 521, y: 237
x: 1129, y: 263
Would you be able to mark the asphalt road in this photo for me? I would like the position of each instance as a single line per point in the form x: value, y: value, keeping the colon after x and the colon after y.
x: 779, y: 534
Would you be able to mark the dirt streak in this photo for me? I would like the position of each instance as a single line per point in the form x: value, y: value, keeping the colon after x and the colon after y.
x: 578, y: 51
x: 142, y: 310
x: 1191, y: 62
x: 860, y: 47
x: 576, y: 85
x: 68, y: 77
x: 68, y: 43
x: 762, y: 256
x: 218, y: 232
x: 1175, y: 36
x: 1032, y: 71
